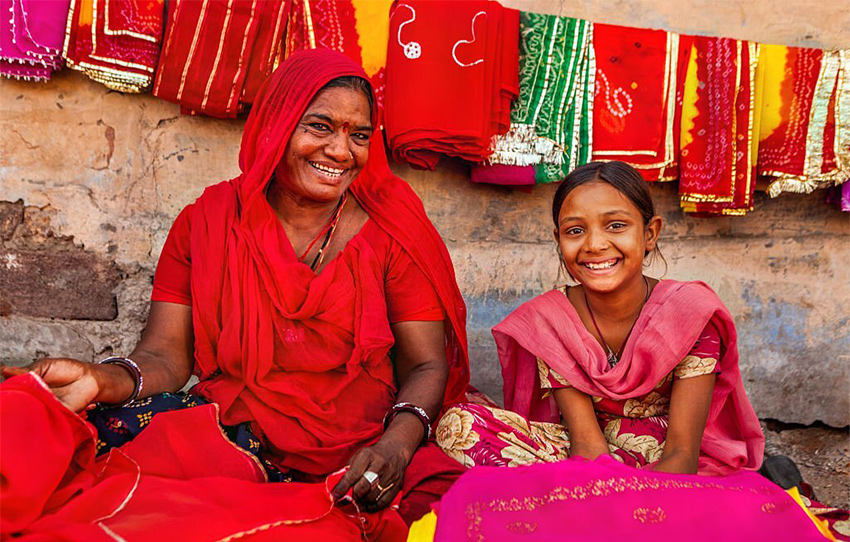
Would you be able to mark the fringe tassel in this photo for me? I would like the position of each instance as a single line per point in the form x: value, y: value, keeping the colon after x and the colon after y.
x: 521, y: 146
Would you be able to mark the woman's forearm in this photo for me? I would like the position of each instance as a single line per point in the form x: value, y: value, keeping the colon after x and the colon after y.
x: 423, y: 386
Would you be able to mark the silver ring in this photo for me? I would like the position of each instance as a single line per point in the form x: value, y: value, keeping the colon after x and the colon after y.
x: 370, y: 477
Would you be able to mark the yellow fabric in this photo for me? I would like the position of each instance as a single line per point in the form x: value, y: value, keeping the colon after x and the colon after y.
x: 373, y: 31
x: 822, y: 525
x: 773, y: 63
x: 689, y: 100
x: 423, y: 529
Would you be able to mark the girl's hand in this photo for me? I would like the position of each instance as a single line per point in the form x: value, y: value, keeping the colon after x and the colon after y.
x: 588, y: 451
x: 385, y: 459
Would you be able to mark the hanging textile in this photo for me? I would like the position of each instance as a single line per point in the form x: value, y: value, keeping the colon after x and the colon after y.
x: 839, y: 196
x: 719, y: 140
x: 451, y: 75
x: 31, y: 35
x: 552, y: 119
x: 357, y: 28
x: 115, y: 42
x: 805, y: 122
x: 637, y: 78
x: 217, y: 54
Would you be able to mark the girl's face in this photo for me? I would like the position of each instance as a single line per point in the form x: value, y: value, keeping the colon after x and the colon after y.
x: 603, y: 238
x: 329, y: 147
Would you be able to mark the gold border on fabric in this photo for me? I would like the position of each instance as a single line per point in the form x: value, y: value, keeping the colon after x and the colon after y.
x: 813, y: 161
x: 669, y: 92
x: 130, y: 33
x: 308, y: 23
x: 95, y: 18
x: 814, y: 178
x: 72, y: 16
x: 233, y: 101
x: 217, y: 54
x: 273, y: 51
x: 191, y: 55
x: 169, y: 28
x: 692, y: 197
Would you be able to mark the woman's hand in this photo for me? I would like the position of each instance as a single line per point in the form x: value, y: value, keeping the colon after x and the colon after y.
x: 75, y: 383
x: 386, y: 459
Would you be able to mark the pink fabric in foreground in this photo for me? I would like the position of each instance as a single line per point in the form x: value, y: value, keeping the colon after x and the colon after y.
x: 606, y: 500
x: 548, y: 327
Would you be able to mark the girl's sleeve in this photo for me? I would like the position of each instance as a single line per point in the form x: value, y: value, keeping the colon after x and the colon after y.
x: 702, y: 359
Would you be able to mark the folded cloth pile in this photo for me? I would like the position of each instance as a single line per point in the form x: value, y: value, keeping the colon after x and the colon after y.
x: 452, y: 72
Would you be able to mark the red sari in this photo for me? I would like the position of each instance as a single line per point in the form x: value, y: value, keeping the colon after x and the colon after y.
x: 250, y: 296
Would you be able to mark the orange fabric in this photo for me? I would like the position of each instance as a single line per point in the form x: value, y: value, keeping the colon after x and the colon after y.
x: 304, y: 357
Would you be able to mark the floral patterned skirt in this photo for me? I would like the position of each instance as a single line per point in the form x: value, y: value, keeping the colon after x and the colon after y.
x: 475, y: 434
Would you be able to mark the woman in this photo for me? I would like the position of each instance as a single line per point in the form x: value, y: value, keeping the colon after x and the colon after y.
x: 313, y: 299
x: 641, y: 369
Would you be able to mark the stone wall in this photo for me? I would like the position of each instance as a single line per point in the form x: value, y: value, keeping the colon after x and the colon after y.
x: 90, y: 181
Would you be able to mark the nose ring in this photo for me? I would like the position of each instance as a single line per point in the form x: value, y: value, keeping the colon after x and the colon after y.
x: 351, y: 155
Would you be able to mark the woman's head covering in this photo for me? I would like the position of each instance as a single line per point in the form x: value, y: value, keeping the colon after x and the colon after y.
x: 249, y: 272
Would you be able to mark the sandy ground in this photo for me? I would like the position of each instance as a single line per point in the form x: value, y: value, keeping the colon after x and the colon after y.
x: 822, y: 454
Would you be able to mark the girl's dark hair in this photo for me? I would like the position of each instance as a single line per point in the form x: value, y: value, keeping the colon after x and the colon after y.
x: 621, y: 176
x: 352, y: 82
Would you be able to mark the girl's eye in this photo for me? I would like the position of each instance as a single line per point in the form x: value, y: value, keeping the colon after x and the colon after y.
x: 617, y: 225
x: 573, y: 231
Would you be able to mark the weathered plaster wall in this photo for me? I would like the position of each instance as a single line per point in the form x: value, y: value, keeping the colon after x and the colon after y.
x: 90, y: 181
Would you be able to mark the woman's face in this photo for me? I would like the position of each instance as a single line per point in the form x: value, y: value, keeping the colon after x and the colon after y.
x: 602, y: 237
x: 329, y: 147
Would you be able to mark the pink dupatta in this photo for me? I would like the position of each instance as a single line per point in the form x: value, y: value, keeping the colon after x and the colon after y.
x: 606, y: 500
x: 548, y: 327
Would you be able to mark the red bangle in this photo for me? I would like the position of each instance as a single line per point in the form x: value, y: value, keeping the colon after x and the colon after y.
x: 417, y: 411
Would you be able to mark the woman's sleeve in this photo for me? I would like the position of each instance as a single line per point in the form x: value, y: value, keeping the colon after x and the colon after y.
x: 702, y: 359
x: 172, y: 280
x: 410, y: 295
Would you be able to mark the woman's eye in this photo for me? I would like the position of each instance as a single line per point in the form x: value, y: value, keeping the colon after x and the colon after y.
x: 319, y: 126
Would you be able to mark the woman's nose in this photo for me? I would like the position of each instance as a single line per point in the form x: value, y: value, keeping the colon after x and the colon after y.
x: 337, y: 147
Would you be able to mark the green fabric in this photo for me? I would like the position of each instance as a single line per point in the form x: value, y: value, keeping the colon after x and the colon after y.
x: 551, y: 121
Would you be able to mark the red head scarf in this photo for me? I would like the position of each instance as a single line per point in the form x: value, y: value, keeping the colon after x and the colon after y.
x: 245, y: 271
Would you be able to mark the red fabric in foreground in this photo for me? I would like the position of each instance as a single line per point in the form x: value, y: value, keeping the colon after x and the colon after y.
x: 163, y: 486
x: 548, y: 327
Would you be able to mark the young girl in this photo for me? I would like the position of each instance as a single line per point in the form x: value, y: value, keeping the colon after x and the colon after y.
x: 620, y: 364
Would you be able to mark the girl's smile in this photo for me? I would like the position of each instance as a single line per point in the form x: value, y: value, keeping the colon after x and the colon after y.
x: 602, y: 237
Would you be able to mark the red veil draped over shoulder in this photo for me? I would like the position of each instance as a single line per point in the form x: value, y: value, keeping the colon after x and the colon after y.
x: 251, y: 281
